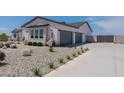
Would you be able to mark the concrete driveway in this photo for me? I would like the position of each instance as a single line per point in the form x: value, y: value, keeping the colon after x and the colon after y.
x: 103, y: 60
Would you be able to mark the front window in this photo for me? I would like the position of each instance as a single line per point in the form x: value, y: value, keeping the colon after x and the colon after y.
x: 14, y: 35
x: 41, y: 33
x: 32, y: 33
x: 36, y: 33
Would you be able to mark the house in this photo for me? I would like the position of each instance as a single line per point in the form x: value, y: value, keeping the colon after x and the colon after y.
x: 41, y: 29
x: 17, y: 34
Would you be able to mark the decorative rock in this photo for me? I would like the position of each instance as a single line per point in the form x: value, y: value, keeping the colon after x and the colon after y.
x: 10, y: 42
x: 13, y: 46
x: 26, y: 52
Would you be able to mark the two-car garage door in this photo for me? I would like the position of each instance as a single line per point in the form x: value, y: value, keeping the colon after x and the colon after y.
x: 66, y: 37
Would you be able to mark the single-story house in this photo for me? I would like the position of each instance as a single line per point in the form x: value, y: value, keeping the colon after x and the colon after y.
x: 41, y: 29
x: 17, y: 34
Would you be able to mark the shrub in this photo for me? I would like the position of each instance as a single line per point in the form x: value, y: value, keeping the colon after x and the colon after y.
x: 7, y: 45
x: 13, y: 46
x: 30, y: 43
x: 82, y: 50
x: 61, y: 60
x: 18, y: 42
x: 86, y: 49
x: 68, y: 57
x: 51, y: 65
x: 25, y: 42
x: 39, y: 44
x: 51, y: 49
x: 74, y: 54
x: 2, y: 56
x: 79, y: 53
x: 34, y: 43
x: 36, y: 71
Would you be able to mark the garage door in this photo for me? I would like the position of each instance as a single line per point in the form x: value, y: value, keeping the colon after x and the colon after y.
x: 78, y: 37
x: 105, y: 38
x: 65, y: 37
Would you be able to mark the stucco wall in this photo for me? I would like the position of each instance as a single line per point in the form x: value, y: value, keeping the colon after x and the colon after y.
x: 119, y: 39
x: 26, y: 34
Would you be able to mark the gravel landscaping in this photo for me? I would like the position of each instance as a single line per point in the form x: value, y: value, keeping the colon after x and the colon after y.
x: 16, y: 65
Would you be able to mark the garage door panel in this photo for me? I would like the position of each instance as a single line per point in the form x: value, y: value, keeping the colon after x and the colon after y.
x: 78, y: 37
x: 65, y: 38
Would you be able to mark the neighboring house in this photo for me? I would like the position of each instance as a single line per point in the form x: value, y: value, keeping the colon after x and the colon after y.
x: 41, y: 29
x: 17, y: 34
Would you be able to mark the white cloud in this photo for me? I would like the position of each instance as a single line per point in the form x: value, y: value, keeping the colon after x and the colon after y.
x: 114, y: 25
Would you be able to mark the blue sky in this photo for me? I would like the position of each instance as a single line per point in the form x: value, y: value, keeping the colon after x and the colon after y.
x: 99, y: 24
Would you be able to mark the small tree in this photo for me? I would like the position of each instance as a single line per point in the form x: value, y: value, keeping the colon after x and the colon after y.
x: 3, y: 36
x: 50, y: 44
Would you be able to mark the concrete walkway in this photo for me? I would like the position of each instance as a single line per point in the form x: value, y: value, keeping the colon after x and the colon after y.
x: 103, y: 60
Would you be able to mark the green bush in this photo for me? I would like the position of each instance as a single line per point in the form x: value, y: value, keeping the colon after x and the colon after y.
x: 7, y: 45
x: 14, y: 47
x: 74, y: 54
x: 51, y: 65
x: 86, y: 49
x: 34, y: 43
x: 51, y: 49
x: 30, y: 43
x: 39, y: 44
x: 68, y: 57
x: 36, y: 71
x: 82, y: 50
x: 79, y: 53
x: 2, y: 56
x: 61, y: 60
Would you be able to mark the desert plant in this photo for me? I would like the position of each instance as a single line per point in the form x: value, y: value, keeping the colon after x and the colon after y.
x: 61, y: 60
x: 2, y: 56
x: 86, y: 49
x: 34, y: 44
x: 39, y: 44
x: 18, y: 42
x: 51, y: 49
x: 68, y: 57
x: 13, y: 46
x: 36, y: 71
x: 79, y: 53
x: 51, y: 65
x: 81, y: 48
x: 30, y: 43
x: 7, y: 45
x: 74, y: 54
x: 25, y: 42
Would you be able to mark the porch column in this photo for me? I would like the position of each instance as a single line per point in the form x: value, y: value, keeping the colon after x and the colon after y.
x: 44, y: 37
x: 57, y: 37
x: 74, y: 38
x: 83, y: 38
